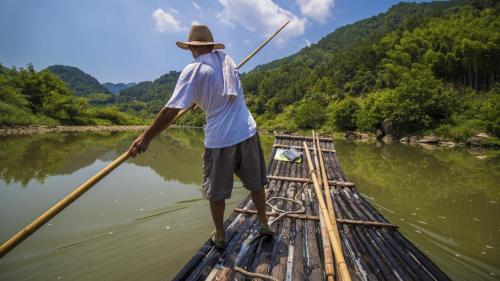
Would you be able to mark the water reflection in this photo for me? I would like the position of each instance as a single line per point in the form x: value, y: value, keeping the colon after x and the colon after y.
x: 174, y: 155
x: 24, y: 158
x: 146, y: 219
x: 147, y: 212
x: 446, y: 201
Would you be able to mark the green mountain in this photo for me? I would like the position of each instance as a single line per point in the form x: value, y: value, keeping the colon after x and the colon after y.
x: 158, y: 90
x: 81, y: 83
x: 28, y: 97
x: 425, y: 66
x: 115, y: 88
x: 146, y: 98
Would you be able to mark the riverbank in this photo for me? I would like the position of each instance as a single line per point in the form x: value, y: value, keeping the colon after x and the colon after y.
x: 479, y: 140
x: 28, y: 130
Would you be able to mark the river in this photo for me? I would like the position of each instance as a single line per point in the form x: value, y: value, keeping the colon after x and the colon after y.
x: 147, y: 218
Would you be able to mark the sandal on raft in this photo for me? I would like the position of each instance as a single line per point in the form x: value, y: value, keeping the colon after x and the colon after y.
x: 219, y: 244
x: 265, y: 230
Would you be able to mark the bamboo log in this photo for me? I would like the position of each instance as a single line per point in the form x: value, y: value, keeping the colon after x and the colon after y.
x: 24, y: 233
x: 331, y: 226
x: 312, y: 239
x: 300, y: 147
x: 330, y: 182
x: 301, y: 138
x: 327, y: 251
x: 326, y: 187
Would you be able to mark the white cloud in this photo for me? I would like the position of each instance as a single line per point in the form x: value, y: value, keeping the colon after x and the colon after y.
x: 261, y: 16
x: 173, y: 10
x: 318, y: 10
x: 195, y: 22
x: 246, y: 41
x: 196, y: 5
x: 308, y: 43
x: 166, y: 22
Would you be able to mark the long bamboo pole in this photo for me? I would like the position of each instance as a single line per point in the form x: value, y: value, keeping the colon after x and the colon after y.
x: 341, y: 265
x: 262, y: 45
x: 322, y: 180
x: 19, y: 237
x: 326, y: 185
x: 327, y: 249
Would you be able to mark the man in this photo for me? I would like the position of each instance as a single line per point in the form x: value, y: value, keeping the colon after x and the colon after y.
x: 232, y: 144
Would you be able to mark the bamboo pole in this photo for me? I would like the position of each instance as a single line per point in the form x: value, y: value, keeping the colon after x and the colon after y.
x: 341, y: 266
x: 316, y: 218
x: 327, y: 248
x: 330, y: 182
x: 322, y: 179
x: 326, y: 186
x: 261, y: 46
x: 300, y: 147
x: 327, y: 251
x: 24, y: 233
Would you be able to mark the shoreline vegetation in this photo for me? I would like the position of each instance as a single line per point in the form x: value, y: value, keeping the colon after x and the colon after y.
x: 481, y: 140
x: 419, y: 73
x: 29, y: 130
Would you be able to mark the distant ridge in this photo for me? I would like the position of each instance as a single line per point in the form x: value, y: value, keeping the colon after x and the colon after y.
x: 117, y: 87
x: 157, y: 91
x: 81, y: 83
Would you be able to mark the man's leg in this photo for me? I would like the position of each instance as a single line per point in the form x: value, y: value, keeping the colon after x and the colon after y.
x: 259, y: 200
x: 217, y: 210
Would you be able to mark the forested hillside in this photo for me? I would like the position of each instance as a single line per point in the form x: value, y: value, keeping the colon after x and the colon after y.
x: 81, y: 83
x: 28, y: 97
x: 115, y: 88
x: 428, y: 66
x: 146, y: 98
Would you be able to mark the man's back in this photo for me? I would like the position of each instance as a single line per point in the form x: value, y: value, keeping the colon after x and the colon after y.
x: 202, y: 82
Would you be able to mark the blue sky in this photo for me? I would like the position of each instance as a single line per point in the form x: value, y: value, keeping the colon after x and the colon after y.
x: 132, y: 40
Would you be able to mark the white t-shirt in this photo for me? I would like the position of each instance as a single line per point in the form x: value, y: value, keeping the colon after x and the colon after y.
x: 202, y: 82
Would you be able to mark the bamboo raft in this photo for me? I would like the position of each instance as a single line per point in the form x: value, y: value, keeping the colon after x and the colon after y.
x: 372, y: 247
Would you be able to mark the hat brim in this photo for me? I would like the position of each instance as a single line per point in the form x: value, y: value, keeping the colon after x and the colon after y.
x: 185, y: 45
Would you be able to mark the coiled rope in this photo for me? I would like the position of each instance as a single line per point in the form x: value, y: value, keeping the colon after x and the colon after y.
x: 283, y: 213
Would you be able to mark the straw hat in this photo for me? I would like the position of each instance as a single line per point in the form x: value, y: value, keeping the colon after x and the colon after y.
x: 199, y: 35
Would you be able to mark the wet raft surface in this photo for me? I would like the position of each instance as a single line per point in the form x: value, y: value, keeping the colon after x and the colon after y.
x: 372, y: 252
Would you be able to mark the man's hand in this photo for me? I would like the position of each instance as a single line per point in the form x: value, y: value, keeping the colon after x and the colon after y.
x: 139, y: 145
x: 162, y: 120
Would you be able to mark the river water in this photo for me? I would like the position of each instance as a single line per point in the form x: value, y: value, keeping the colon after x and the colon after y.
x: 147, y: 218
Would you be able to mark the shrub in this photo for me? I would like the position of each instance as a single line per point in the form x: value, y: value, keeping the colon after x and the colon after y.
x: 11, y: 115
x: 461, y: 131
x: 310, y: 114
x: 418, y: 103
x: 344, y: 114
x: 114, y: 115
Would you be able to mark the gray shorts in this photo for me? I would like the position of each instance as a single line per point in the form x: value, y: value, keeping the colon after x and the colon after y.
x: 244, y: 159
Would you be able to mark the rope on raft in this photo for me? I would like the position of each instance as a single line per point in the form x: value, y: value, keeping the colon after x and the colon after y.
x: 283, y: 213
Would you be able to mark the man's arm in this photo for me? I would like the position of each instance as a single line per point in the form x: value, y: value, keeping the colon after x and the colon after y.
x: 164, y: 117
